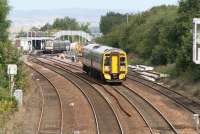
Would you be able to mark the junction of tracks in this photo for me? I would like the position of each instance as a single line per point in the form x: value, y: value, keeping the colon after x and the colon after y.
x: 74, y: 103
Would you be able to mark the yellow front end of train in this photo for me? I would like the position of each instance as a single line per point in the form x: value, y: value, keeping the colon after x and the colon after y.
x: 114, y: 67
x: 105, y: 63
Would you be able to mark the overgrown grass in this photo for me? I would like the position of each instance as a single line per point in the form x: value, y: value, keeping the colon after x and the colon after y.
x: 4, y: 92
x: 9, y: 55
x: 7, y: 106
x: 183, y: 83
x: 137, y: 61
x: 167, y: 69
x: 21, y: 78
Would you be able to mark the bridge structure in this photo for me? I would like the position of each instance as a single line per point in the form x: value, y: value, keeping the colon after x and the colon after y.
x: 80, y: 34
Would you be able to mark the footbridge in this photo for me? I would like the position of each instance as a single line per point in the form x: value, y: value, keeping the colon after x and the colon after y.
x: 81, y: 34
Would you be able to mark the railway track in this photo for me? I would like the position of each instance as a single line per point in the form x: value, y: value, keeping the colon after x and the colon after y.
x: 188, y: 103
x: 84, y: 76
x: 106, y: 119
x: 153, y: 117
x: 75, y: 67
x: 157, y: 123
x: 146, y: 122
x: 51, y: 117
x: 184, y: 101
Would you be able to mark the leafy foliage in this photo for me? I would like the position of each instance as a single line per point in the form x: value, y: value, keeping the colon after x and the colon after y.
x: 65, y: 24
x: 160, y: 36
x: 4, y: 55
x: 147, y: 35
x: 8, y: 55
x: 188, y: 9
x: 7, y: 104
x: 4, y: 23
x: 110, y: 20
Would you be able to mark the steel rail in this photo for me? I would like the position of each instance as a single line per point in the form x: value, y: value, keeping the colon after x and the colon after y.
x: 59, y: 97
x: 187, y: 103
x: 150, y: 104
x: 121, y: 107
x: 67, y: 71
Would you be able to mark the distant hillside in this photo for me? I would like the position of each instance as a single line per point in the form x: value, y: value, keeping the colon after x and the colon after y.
x: 22, y: 19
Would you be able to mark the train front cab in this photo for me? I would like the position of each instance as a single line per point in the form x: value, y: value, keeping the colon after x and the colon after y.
x: 115, y: 66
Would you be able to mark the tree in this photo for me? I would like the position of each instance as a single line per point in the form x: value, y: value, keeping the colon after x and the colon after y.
x: 85, y: 27
x: 34, y: 28
x: 66, y: 23
x: 8, y: 53
x: 148, y: 34
x: 46, y: 27
x: 21, y: 34
x: 188, y: 9
x: 4, y: 23
x: 110, y: 20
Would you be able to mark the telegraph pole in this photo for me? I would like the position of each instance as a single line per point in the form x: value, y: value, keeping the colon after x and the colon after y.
x: 127, y: 18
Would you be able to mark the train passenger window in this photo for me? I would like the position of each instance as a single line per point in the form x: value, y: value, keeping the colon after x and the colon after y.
x: 122, y: 61
x: 107, y: 61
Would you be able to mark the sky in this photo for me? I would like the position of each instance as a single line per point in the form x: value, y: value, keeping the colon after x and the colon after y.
x: 134, y: 5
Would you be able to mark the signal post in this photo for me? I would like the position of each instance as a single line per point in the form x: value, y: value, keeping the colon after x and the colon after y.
x: 196, y: 56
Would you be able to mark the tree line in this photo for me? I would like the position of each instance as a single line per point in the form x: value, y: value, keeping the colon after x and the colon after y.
x: 159, y: 36
x: 65, y: 23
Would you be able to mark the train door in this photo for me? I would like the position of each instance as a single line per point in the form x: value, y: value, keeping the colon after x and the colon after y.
x: 115, y: 64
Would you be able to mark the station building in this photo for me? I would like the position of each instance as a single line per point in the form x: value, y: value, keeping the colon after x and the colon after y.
x: 32, y: 41
x: 35, y: 40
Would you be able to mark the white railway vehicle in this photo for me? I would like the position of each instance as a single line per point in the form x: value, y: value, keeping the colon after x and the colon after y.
x: 55, y: 46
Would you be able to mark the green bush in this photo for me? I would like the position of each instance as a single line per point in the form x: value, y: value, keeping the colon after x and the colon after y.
x: 7, y: 105
x: 8, y: 55
x: 167, y: 69
x: 65, y: 23
x: 148, y: 34
x: 160, y: 36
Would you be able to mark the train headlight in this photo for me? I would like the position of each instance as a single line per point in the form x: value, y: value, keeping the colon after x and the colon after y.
x: 107, y: 69
x: 123, y: 68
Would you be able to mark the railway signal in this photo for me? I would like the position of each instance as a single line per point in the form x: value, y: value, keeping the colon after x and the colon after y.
x: 11, y: 71
x: 196, y: 40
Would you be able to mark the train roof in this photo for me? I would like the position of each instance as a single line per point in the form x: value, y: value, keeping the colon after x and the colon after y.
x: 91, y: 46
x: 99, y: 48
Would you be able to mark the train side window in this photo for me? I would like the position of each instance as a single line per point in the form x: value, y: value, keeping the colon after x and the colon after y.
x: 122, y: 61
x: 107, y: 61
